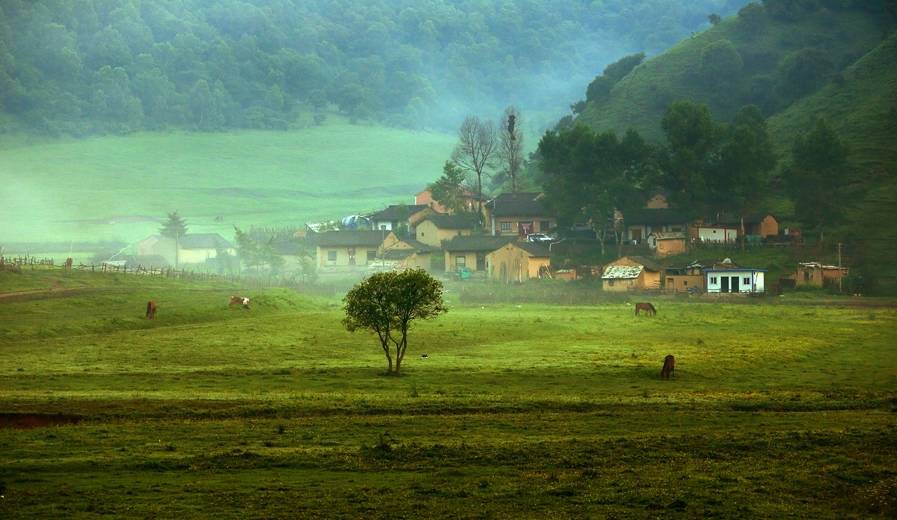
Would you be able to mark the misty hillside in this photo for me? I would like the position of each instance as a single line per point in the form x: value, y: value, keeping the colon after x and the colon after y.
x: 795, y: 63
x: 95, y: 66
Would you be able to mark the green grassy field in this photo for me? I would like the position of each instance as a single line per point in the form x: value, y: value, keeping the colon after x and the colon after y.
x: 779, y: 408
x: 117, y: 187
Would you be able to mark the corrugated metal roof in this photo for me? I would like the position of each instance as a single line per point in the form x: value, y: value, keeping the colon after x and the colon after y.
x: 621, y: 272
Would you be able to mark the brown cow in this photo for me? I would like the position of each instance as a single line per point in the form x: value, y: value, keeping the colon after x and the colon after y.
x: 669, y: 364
x: 647, y: 307
x: 150, y: 310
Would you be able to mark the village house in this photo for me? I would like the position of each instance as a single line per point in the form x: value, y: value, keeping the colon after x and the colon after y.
x: 734, y: 280
x: 657, y: 200
x: 667, y: 243
x: 707, y: 233
x: 437, y: 227
x: 685, y: 279
x: 816, y: 274
x: 192, y: 248
x: 347, y: 249
x: 631, y: 273
x: 469, y: 251
x: 397, y: 252
x: 762, y: 225
x: 640, y: 223
x: 518, y: 214
x: 399, y: 218
x: 518, y: 262
x: 425, y: 198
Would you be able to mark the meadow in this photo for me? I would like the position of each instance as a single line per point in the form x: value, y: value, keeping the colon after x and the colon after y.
x: 121, y: 187
x: 778, y: 408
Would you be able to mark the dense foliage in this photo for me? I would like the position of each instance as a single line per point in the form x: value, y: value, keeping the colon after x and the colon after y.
x: 388, y: 303
x: 93, y: 65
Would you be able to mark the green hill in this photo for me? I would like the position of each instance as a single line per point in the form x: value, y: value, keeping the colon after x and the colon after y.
x: 861, y: 104
x: 117, y: 187
x: 777, y: 63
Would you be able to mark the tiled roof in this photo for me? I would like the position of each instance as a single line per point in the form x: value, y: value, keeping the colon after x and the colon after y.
x: 397, y: 212
x: 648, y: 263
x: 478, y: 243
x: 457, y: 221
x: 621, y: 272
x: 534, y: 248
x: 654, y: 217
x: 518, y: 205
x: 350, y: 238
x: 204, y: 241
x: 668, y: 235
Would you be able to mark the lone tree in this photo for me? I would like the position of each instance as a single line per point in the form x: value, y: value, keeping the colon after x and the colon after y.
x: 174, y: 228
x: 386, y: 303
x: 510, y: 149
x: 449, y: 189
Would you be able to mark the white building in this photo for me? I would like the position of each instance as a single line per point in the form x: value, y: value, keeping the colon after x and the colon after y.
x: 735, y: 280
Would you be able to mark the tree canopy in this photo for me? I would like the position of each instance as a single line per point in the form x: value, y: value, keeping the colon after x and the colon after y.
x: 98, y: 66
x: 388, y: 303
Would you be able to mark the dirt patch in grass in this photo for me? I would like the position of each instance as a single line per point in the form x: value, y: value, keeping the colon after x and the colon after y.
x: 27, y: 421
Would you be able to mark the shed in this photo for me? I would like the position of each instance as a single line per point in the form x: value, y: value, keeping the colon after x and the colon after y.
x: 667, y: 243
x: 816, y: 274
x: 631, y: 273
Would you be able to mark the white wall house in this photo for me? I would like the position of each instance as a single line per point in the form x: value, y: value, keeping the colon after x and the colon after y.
x: 736, y: 280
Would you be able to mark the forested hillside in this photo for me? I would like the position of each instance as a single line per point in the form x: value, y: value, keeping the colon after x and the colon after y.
x: 770, y: 55
x: 790, y: 107
x: 99, y: 66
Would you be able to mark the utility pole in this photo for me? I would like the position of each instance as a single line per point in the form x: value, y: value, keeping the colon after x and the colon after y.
x: 840, y: 272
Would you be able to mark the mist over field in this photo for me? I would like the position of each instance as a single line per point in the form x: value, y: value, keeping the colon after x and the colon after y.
x: 365, y: 94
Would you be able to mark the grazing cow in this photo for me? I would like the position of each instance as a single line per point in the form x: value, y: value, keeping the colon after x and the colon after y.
x: 647, y: 307
x: 150, y: 309
x: 669, y: 364
x: 239, y: 300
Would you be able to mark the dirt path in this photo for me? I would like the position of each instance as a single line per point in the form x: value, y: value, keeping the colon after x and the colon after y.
x: 40, y: 294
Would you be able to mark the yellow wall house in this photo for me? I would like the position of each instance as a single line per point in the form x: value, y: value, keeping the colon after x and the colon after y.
x: 347, y: 250
x: 436, y: 228
x: 469, y: 251
x: 518, y: 262
x: 519, y: 214
x: 399, y: 253
x: 631, y: 273
x: 667, y: 243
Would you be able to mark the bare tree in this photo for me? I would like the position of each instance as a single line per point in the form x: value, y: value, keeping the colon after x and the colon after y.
x: 477, y: 145
x: 510, y: 149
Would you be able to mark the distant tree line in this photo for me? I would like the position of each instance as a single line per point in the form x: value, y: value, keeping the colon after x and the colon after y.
x: 84, y: 66
x: 708, y: 169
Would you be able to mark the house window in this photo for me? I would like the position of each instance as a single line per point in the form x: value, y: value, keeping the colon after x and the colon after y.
x: 505, y: 227
x: 610, y: 283
x: 684, y: 283
x: 712, y: 279
x: 384, y: 227
x: 747, y: 280
x: 372, y: 254
x: 331, y: 257
x: 460, y: 261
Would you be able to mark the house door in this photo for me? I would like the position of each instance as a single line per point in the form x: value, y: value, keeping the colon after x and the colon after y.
x: 724, y: 284
x: 351, y: 253
x: 481, y: 262
x: 735, y: 281
x: 636, y: 234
